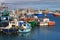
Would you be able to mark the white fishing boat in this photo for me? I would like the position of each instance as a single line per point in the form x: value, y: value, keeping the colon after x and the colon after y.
x: 45, y: 22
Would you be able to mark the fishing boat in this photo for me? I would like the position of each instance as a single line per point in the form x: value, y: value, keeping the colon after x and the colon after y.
x: 32, y: 21
x: 47, y: 22
x: 5, y: 13
x: 30, y: 12
x: 56, y: 14
x: 20, y: 23
x: 39, y: 14
x: 47, y: 12
x: 44, y: 22
x: 51, y: 23
x: 25, y: 28
x: 50, y: 14
x: 11, y: 28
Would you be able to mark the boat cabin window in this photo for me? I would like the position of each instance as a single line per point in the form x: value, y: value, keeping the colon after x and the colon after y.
x: 6, y: 18
x: 13, y: 22
x: 24, y: 24
x: 13, y: 25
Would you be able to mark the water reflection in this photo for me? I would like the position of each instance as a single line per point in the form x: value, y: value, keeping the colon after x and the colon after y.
x: 37, y: 33
x: 24, y: 35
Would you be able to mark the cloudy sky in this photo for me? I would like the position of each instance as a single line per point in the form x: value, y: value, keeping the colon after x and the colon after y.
x: 16, y: 0
x: 9, y: 1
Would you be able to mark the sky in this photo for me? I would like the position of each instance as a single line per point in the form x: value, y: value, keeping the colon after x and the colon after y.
x: 12, y: 1
x: 16, y: 0
x: 38, y: 4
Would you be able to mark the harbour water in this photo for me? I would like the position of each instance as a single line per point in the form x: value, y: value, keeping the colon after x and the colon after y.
x: 37, y: 33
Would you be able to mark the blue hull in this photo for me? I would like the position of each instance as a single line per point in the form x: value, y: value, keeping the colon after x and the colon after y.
x: 49, y: 15
x: 4, y: 24
x: 10, y: 30
x: 39, y: 15
x: 43, y: 15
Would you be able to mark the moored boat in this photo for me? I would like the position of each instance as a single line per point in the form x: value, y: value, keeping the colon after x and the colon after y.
x: 47, y: 22
x: 51, y: 23
x: 25, y: 28
x: 56, y: 14
x: 49, y: 15
x: 43, y: 24
x: 39, y: 14
x: 11, y: 28
x: 33, y: 23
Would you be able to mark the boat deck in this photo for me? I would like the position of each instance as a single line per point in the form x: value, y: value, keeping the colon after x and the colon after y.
x: 8, y: 27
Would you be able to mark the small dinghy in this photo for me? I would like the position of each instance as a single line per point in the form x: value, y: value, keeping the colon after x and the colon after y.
x: 25, y: 28
x: 51, y: 23
x: 56, y: 14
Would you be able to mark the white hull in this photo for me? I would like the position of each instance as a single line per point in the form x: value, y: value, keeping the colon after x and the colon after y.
x: 43, y: 24
x: 25, y: 30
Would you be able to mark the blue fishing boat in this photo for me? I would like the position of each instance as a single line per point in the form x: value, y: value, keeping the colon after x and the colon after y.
x: 49, y: 14
x: 39, y: 15
x: 25, y: 28
x: 43, y: 15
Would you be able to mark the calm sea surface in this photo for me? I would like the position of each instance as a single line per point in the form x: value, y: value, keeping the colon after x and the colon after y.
x: 37, y: 33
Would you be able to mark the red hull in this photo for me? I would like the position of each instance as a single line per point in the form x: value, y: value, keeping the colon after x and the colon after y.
x: 51, y: 23
x: 56, y: 14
